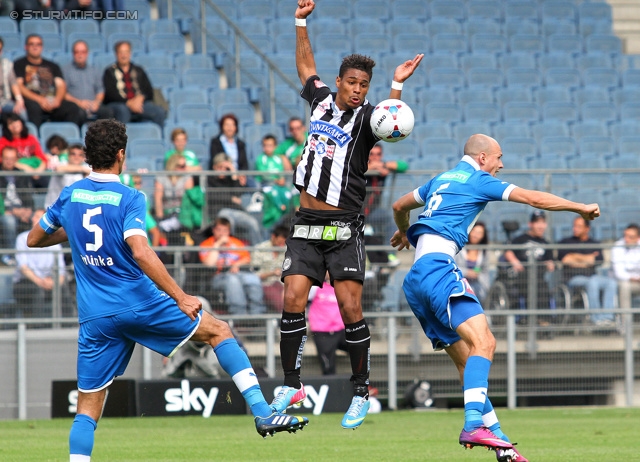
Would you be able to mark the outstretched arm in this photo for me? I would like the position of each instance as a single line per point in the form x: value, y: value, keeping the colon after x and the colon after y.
x: 402, y: 73
x: 546, y: 201
x: 401, y: 213
x: 305, y: 63
x: 37, y: 237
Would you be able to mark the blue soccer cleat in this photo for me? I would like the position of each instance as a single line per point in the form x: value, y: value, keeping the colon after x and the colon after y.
x: 278, y: 422
x: 288, y: 396
x: 356, y: 413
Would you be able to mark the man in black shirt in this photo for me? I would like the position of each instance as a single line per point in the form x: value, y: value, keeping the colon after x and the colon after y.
x: 43, y: 87
x: 327, y: 231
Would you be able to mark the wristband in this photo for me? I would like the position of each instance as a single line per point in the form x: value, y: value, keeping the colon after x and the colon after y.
x: 396, y: 85
x: 301, y: 22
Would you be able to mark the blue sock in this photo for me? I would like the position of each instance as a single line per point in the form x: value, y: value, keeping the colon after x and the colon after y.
x: 81, y: 435
x: 490, y: 420
x: 235, y: 362
x: 476, y: 381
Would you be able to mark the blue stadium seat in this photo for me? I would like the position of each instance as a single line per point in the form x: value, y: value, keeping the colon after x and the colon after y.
x: 451, y: 9
x: 482, y: 112
x: 630, y: 110
x: 206, y: 78
x: 141, y: 7
x: 462, y: 131
x: 629, y: 144
x: 407, y: 26
x: 12, y: 42
x: 601, y: 146
x: 147, y: 154
x: 137, y: 41
x: 517, y: 59
x: 519, y: 111
x: 441, y: 148
x: 593, y: 60
x: 426, y: 131
x: 587, y: 128
x: 408, y: 10
x: 521, y: 148
x: 215, y: 43
x: 552, y: 163
x: 436, y: 95
x: 233, y: 95
x: 591, y: 26
x: 195, y: 112
x: 600, y: 43
x: 509, y: 129
x: 559, y: 26
x: 594, y: 181
x: 562, y: 76
x: 372, y: 44
x: 549, y: 128
x: 599, y: 111
x: 162, y: 77
x: 481, y: 26
x: 446, y: 77
x: 168, y: 43
x: 38, y: 26
x: 631, y: 78
x: 125, y: 26
x: 333, y: 43
x: 144, y: 131
x: 488, y: 43
x: 590, y: 94
x: 201, y: 149
x: 285, y: 43
x: 564, y: 44
x: 552, y: 94
x: 88, y: 26
x: 449, y: 43
x: 476, y: 60
x: 477, y: 95
x: 95, y: 41
x: 192, y: 94
x: 513, y: 94
x: 256, y: 9
x: 410, y: 44
x: 486, y: 10
x: 438, y: 60
x: 601, y: 77
x: 520, y: 27
x: 162, y: 25
x: 406, y: 149
x: 595, y: 11
x: 559, y: 110
x: 8, y: 25
x: 558, y: 9
x: 523, y: 77
x: 556, y: 59
x: 244, y: 112
x: 443, y: 26
x: 557, y: 146
x: 253, y: 132
x: 103, y: 59
x: 53, y: 43
x: 485, y: 78
x: 443, y: 112
x: 625, y: 161
x: 153, y: 59
x: 525, y: 43
x: 64, y: 129
x: 193, y: 129
x: 521, y: 9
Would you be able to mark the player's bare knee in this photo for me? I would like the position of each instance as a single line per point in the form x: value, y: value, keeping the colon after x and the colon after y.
x: 294, y: 302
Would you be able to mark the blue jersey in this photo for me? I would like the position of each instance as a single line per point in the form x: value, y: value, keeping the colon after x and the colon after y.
x: 454, y: 200
x: 98, y: 213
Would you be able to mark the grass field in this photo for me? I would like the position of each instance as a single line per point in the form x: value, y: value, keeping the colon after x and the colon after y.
x: 557, y: 434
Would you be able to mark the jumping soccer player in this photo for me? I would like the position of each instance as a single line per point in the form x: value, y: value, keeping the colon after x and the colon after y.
x: 119, y: 304
x: 327, y: 232
x: 439, y: 296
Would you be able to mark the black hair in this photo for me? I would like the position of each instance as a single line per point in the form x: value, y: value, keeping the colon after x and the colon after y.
x: 356, y: 61
x: 104, y: 138
x: 485, y: 238
x: 228, y: 116
x: 269, y: 136
x: 12, y: 117
x: 30, y: 36
x: 57, y: 141
x: 119, y: 43
x: 280, y: 231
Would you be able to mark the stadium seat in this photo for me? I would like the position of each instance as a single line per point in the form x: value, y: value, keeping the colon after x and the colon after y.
x: 196, y: 112
x: 169, y: 43
x: 521, y: 9
x: 148, y: 154
x: 103, y: 59
x: 549, y: 128
x: 426, y: 131
x: 191, y: 94
x: 437, y: 26
x: 489, y: 11
x: 285, y: 43
x: 155, y: 60
x: 590, y: 26
x: 443, y: 112
x: 629, y: 145
x: 450, y: 9
x: 520, y: 148
x: 630, y: 111
x: 374, y: 9
x: 485, y: 77
x: 53, y: 42
x: 436, y: 95
x: 481, y: 26
x: 200, y: 149
x: 205, y: 78
x: 244, y: 112
x: 594, y: 181
x: 408, y: 10
x: 595, y: 11
x: 231, y: 95
x: 600, y: 43
x: 520, y: 27
x: 564, y: 44
x: 562, y: 76
x: 517, y: 59
x: 125, y: 26
x: 257, y: 9
x: 137, y: 41
x: 552, y: 94
x: 333, y: 43
x: 438, y: 60
x: 64, y: 129
x: 558, y: 26
x: 372, y: 44
x: 406, y: 149
x: 515, y: 94
x: 520, y: 111
x: 601, y: 77
x: 589, y: 128
x: 87, y: 26
x: 593, y: 60
x: 557, y: 9
x: 410, y: 44
x: 318, y: 26
x: 462, y: 131
x: 216, y: 43
x: 449, y: 43
x: 38, y: 26
x: 446, y: 77
x: 551, y: 163
x: 599, y: 111
x: 556, y: 59
x: 488, y: 43
x: 407, y: 26
x: 478, y: 60
x: 521, y: 77
x: 141, y: 7
x: 631, y: 78
x: 590, y: 94
x: 144, y: 130
x: 477, y: 95
x: 94, y: 40
x: 557, y: 146
x: 482, y: 112
x: 525, y: 43
x: 559, y: 110
x: 162, y: 77
x: 252, y: 132
x: 193, y: 129
x: 509, y: 129
x: 161, y: 25
x: 602, y: 146
x: 8, y: 25
x: 444, y: 148
x: 625, y: 161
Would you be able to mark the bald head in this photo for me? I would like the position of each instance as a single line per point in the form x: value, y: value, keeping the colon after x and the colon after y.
x: 479, y: 143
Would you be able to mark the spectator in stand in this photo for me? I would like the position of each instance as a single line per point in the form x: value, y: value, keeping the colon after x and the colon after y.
x: 326, y: 326
x: 227, y: 141
x: 18, y: 201
x: 269, y: 267
x: 30, y: 156
x: 270, y: 162
x: 57, y: 151
x: 292, y: 146
x: 226, y: 253
x: 580, y: 269
x: 128, y: 91
x: 84, y: 84
x: 34, y: 279
x: 154, y: 235
x: 179, y: 139
x: 380, y: 218
x: 168, y: 193
x: 43, y: 87
x: 625, y: 258
x: 72, y: 169
x: 278, y: 200
x: 224, y: 197
x: 474, y: 263
x: 10, y: 97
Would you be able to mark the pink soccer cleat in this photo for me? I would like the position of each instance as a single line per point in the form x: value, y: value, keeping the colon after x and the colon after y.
x: 482, y: 437
x: 510, y: 455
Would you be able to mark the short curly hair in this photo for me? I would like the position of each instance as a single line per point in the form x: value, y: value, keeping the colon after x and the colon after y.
x: 104, y: 138
x: 356, y: 61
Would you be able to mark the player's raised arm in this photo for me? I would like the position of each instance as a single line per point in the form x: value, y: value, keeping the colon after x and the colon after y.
x: 401, y: 215
x: 547, y: 201
x: 402, y: 73
x: 305, y: 63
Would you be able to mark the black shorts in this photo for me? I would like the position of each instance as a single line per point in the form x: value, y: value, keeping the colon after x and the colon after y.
x: 325, y: 240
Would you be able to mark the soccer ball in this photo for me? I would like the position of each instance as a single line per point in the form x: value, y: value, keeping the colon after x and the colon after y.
x: 392, y: 120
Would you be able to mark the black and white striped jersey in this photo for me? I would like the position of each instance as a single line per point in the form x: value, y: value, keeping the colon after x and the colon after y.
x: 335, y: 156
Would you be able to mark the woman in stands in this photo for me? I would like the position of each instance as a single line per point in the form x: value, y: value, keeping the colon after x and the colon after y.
x: 227, y: 141
x: 474, y: 263
x: 31, y: 158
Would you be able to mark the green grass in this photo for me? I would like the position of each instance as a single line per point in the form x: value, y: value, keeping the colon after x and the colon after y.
x: 558, y: 434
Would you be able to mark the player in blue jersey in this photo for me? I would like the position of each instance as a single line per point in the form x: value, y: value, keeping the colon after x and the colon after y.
x: 439, y: 296
x: 125, y: 294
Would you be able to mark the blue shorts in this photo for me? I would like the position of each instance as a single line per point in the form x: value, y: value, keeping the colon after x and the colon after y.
x: 440, y: 297
x: 105, y: 345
